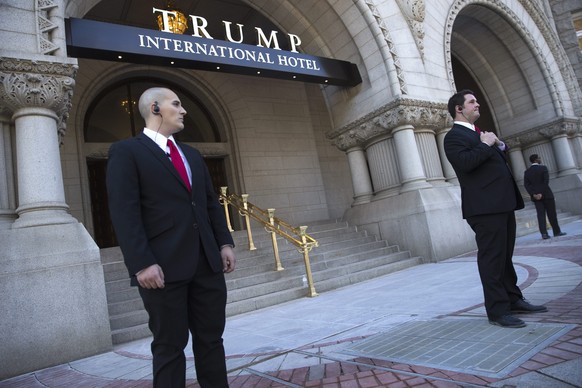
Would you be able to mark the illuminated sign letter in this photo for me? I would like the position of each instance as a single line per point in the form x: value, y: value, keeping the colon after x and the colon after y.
x: 200, y: 28
x: 262, y: 39
x: 229, y: 33
x: 295, y: 42
x: 165, y: 14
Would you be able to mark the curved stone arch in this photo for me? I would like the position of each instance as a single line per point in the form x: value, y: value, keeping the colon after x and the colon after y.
x: 318, y: 43
x: 78, y: 8
x: 210, y: 98
x: 387, y: 48
x: 178, y: 76
x: 548, y: 69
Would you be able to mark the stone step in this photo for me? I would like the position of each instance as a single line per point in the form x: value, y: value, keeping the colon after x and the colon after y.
x: 129, y: 319
x: 527, y: 221
x: 274, y: 298
x: 130, y: 333
x: 345, y: 255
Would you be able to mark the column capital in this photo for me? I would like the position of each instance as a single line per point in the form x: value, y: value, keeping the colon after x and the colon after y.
x: 37, y: 84
x: 563, y: 127
x: 382, y: 121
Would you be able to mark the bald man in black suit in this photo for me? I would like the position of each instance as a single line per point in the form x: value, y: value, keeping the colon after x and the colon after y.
x: 175, y: 242
x: 489, y: 198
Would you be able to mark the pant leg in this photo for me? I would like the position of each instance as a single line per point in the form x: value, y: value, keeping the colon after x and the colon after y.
x: 550, y: 205
x: 168, y: 321
x: 541, y: 213
x: 207, y: 318
x: 492, y: 243
x: 509, y: 274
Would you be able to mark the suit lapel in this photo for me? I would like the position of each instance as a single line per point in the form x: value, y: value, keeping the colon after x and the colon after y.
x: 161, y: 156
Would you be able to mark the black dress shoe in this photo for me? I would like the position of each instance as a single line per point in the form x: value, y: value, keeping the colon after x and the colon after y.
x: 507, y: 321
x: 545, y: 236
x: 560, y: 234
x: 523, y: 306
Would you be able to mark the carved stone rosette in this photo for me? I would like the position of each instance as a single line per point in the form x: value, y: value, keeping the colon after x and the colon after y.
x: 37, y: 84
x: 419, y: 114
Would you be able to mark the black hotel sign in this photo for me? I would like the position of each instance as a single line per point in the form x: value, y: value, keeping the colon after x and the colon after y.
x: 113, y: 42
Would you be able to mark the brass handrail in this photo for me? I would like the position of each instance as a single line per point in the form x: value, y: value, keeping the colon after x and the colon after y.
x: 295, y: 235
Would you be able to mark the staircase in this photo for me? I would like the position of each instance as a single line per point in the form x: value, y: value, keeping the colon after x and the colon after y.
x: 527, y: 220
x: 345, y: 256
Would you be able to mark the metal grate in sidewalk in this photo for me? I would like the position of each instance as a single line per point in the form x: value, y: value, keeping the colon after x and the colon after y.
x: 462, y: 345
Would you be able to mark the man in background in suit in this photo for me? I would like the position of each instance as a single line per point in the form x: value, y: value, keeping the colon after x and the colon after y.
x: 489, y: 198
x: 175, y: 242
x: 536, y: 180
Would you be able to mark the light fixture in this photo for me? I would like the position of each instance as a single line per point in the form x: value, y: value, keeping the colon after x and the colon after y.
x: 127, y: 105
x: 177, y: 22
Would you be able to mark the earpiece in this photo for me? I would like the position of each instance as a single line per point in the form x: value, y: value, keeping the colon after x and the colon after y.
x: 156, y: 109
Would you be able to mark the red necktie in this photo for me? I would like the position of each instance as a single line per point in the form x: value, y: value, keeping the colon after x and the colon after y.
x: 477, y: 130
x: 178, y: 163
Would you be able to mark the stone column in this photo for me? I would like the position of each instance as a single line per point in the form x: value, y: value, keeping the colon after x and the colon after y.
x: 429, y: 155
x: 52, y: 277
x: 518, y: 165
x: 409, y: 162
x: 558, y: 133
x: 360, y: 176
x: 7, y: 192
x: 39, y: 96
x: 564, y: 156
x: 448, y: 170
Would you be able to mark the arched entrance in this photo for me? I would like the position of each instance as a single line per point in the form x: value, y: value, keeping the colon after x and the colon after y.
x: 491, y: 53
x: 113, y: 115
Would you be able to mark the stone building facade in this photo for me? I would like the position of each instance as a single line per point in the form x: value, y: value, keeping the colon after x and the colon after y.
x: 371, y: 154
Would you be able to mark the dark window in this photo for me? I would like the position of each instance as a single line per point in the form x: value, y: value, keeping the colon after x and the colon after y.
x: 114, y: 114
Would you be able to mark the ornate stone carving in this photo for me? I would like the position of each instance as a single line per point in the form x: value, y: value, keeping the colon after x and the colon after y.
x: 414, y: 11
x: 419, y: 114
x: 545, y: 132
x: 45, y: 26
x: 38, y: 84
x: 391, y: 48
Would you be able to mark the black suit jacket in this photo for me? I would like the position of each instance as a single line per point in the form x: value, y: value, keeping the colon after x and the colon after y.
x: 156, y: 219
x: 536, y: 180
x: 487, y: 184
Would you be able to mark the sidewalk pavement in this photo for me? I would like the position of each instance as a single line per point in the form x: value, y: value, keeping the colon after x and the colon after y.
x: 421, y: 327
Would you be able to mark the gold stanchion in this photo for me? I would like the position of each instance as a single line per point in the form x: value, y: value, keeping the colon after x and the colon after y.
x: 306, y: 249
x: 225, y: 205
x: 245, y: 213
x: 278, y: 266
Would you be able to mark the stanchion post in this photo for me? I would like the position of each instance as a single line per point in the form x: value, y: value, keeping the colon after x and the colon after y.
x: 305, y: 249
x: 223, y: 190
x: 278, y: 266
x: 245, y: 198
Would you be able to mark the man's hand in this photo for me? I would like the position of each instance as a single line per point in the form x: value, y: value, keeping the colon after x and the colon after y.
x: 228, y: 259
x: 537, y: 197
x: 151, y: 277
x: 489, y: 138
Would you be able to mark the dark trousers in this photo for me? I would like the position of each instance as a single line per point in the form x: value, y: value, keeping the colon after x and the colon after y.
x: 543, y: 207
x: 495, y: 237
x: 196, y: 306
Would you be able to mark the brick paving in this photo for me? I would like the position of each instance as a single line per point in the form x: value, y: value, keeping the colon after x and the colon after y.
x: 365, y: 372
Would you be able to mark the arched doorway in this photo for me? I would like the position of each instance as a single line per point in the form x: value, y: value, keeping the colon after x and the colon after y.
x: 113, y: 115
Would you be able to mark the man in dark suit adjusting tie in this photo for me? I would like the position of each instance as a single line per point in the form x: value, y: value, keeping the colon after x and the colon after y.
x: 175, y: 242
x: 536, y: 180
x: 489, y: 198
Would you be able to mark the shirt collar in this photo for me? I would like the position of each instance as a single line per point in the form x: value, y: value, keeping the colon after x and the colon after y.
x: 465, y: 124
x: 158, y: 138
